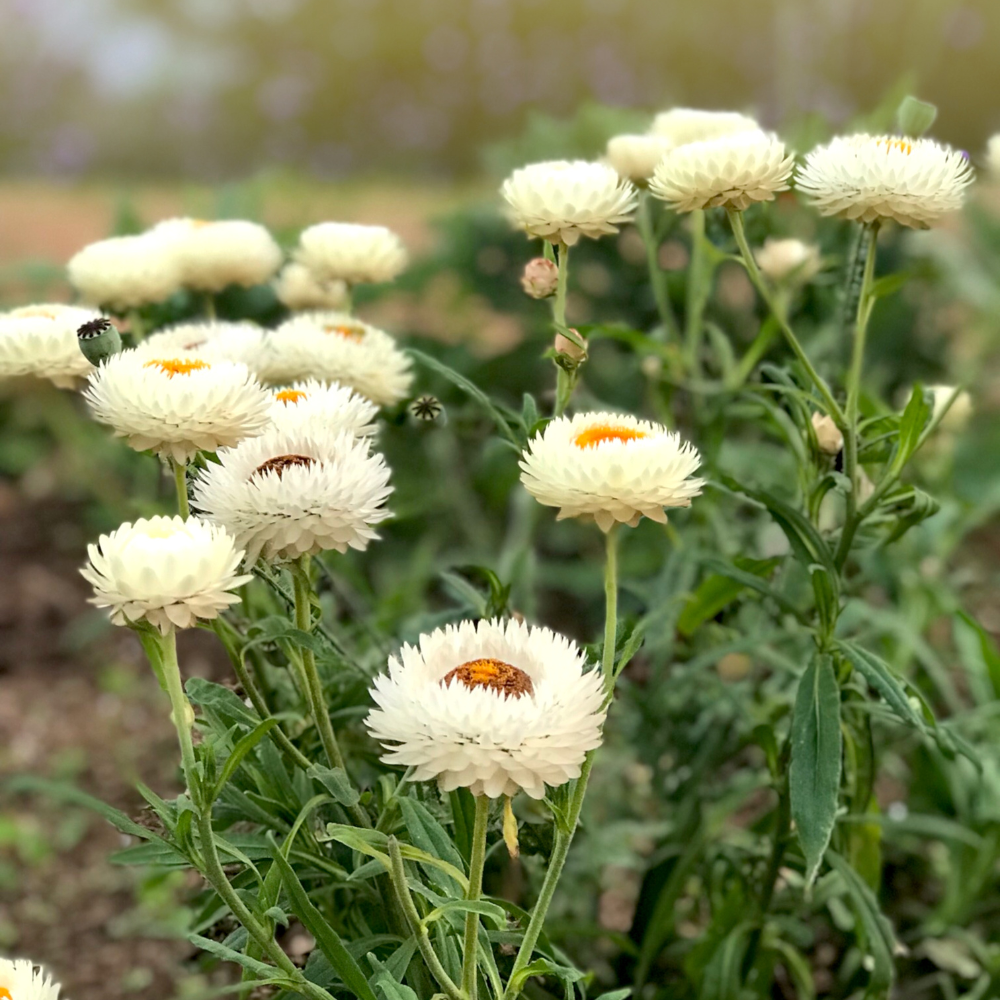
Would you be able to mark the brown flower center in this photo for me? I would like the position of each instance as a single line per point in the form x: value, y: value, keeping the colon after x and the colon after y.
x: 492, y: 674
x: 901, y: 144
x: 281, y: 463
x: 287, y: 396
x: 177, y: 366
x: 349, y: 332
x: 600, y: 433
x: 194, y: 345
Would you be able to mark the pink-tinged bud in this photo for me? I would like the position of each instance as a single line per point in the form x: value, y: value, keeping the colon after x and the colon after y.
x: 564, y: 345
x: 540, y: 278
x: 828, y: 435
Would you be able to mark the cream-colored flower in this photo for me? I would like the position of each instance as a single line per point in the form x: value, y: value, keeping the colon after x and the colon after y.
x: 355, y: 254
x: 177, y: 406
x: 784, y: 259
x: 167, y: 571
x: 41, y: 341
x: 211, y: 255
x: 211, y: 341
x: 492, y: 706
x: 732, y: 171
x: 871, y: 178
x: 562, y: 200
x: 125, y: 272
x: 299, y: 491
x: 298, y: 288
x: 21, y: 979
x: 680, y: 126
x: 636, y: 156
x: 610, y: 467
x: 314, y: 405
x: 333, y: 347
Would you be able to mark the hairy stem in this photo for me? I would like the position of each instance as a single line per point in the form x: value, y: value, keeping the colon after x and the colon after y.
x: 476, y: 864
x: 180, y: 485
x: 611, y: 606
x: 697, y: 292
x: 181, y: 713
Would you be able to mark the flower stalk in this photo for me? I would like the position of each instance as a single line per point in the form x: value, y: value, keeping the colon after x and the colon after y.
x: 477, y: 863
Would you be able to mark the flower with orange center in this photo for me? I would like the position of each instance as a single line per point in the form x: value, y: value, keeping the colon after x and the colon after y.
x: 872, y: 178
x: 330, y: 408
x: 354, y: 254
x: 177, y: 406
x: 21, y: 979
x: 611, y: 468
x: 208, y: 341
x: 40, y: 341
x: 492, y: 706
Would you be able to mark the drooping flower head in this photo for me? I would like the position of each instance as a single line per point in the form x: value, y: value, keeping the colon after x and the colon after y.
x: 876, y: 177
x: 41, y: 341
x: 732, y: 171
x: 298, y: 288
x: 493, y: 706
x: 210, y: 255
x: 610, y: 467
x: 294, y: 492
x: 177, y: 406
x: 635, y: 156
x: 333, y: 347
x: 315, y: 405
x: 21, y: 979
x: 210, y: 341
x: 562, y: 200
x: 125, y: 272
x: 680, y: 126
x: 781, y: 259
x: 352, y: 253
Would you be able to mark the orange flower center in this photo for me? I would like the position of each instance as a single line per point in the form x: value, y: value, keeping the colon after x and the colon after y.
x: 902, y: 145
x: 600, y: 433
x: 200, y: 223
x: 281, y: 463
x: 5, y: 994
x: 492, y: 674
x: 350, y: 332
x: 45, y: 313
x: 177, y: 366
x: 287, y: 396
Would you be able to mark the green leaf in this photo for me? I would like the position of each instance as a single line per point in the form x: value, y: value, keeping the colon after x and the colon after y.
x: 226, y: 704
x: 878, y: 930
x: 427, y: 834
x: 880, y: 676
x: 719, y: 590
x: 337, y: 783
x: 914, y: 117
x: 391, y: 988
x: 988, y: 653
x: 724, y: 972
x: 911, y: 427
x: 485, y: 909
x: 889, y: 284
x: 242, y: 748
x: 814, y: 774
x: 260, y: 969
x: 327, y: 939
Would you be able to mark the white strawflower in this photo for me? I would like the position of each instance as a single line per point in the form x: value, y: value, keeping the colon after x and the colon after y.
x: 292, y: 492
x: 298, y: 288
x: 868, y: 177
x: 611, y: 467
x: 314, y: 405
x: 355, y: 254
x: 177, y: 406
x: 683, y: 125
x: 788, y: 258
x: 167, y: 571
x: 41, y: 341
x: 125, y: 272
x: 333, y: 347
x: 636, y: 156
x: 21, y: 979
x: 562, y: 200
x: 732, y: 171
x: 210, y: 340
x: 993, y: 155
x: 211, y: 255
x: 491, y: 706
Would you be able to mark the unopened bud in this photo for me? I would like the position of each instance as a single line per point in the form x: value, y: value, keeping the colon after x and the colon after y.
x: 510, y: 828
x: 98, y: 340
x: 781, y: 260
x: 572, y: 350
x: 540, y: 278
x: 828, y: 435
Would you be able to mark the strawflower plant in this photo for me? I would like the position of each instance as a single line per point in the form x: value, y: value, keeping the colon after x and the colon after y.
x: 408, y: 779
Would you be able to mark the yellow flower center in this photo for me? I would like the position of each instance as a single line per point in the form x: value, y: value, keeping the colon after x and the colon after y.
x: 349, y: 332
x: 25, y: 313
x: 200, y: 223
x: 280, y: 463
x: 177, y: 366
x: 5, y: 994
x: 287, y: 396
x: 903, y: 145
x: 600, y: 433
x: 492, y: 674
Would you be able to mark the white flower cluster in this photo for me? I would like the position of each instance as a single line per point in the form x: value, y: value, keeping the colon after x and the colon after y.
x: 41, y: 341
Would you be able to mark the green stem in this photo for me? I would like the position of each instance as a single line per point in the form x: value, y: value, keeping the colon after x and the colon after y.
x: 477, y: 862
x: 209, y: 302
x: 565, y: 380
x: 657, y: 281
x: 832, y: 406
x: 180, y: 485
x: 136, y: 326
x: 348, y: 306
x: 181, y: 712
x: 397, y: 873
x: 697, y: 292
x: 610, y: 605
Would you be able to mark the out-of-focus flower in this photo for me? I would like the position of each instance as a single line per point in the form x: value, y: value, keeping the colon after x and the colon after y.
x: 314, y: 405
x: 828, y: 435
x: 870, y: 178
x: 125, y: 272
x: 732, y: 171
x: 21, y: 979
x: 993, y: 155
x: 177, y: 406
x: 167, y: 571
x: 636, y: 156
x: 41, y: 341
x: 781, y: 260
x: 490, y: 706
x: 540, y: 278
x: 355, y: 254
x: 959, y: 413
x: 562, y: 200
x: 683, y: 125
x: 211, y: 341
x: 293, y: 492
x: 298, y: 288
x: 610, y: 467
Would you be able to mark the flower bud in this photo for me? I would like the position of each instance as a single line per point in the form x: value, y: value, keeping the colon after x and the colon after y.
x: 828, y: 434
x: 780, y: 260
x: 574, y: 352
x: 540, y: 278
x: 99, y: 340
